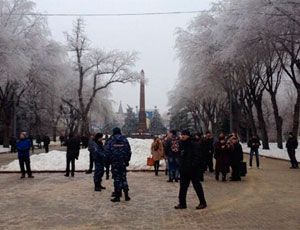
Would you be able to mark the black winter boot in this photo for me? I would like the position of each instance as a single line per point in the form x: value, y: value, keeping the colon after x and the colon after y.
x: 97, y: 187
x: 127, y: 198
x: 113, y: 194
x: 117, y: 197
x: 102, y: 186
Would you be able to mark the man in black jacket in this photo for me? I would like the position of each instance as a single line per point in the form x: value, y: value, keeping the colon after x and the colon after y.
x: 254, y: 144
x: 73, y: 147
x: 292, y: 145
x: 190, y: 162
x: 46, y: 141
x: 208, y: 144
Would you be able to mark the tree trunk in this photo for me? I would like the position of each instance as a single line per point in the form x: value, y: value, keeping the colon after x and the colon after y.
x: 54, y: 129
x: 6, y: 132
x: 85, y: 125
x: 296, y: 114
x: 278, y: 121
x: 261, y: 122
x: 252, y: 122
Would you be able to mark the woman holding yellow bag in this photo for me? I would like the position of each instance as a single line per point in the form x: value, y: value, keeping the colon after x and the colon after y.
x: 157, y: 152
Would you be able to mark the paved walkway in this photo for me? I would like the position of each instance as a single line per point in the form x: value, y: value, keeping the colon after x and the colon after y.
x: 266, y: 199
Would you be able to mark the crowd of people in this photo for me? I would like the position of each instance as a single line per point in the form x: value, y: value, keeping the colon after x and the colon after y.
x: 227, y: 152
x: 187, y: 158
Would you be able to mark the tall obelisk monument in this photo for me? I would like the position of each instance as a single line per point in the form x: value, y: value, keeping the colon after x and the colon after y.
x: 142, y: 113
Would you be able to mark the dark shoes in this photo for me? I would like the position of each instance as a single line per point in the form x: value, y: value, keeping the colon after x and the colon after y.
x: 179, y: 206
x: 22, y: 177
x: 66, y: 175
x: 97, y: 187
x: 201, y: 206
x: 224, y: 179
x: 217, y: 178
x: 72, y: 174
x: 176, y: 180
x: 116, y: 199
x: 114, y: 194
x: 89, y: 172
x: 31, y: 176
x: 127, y: 198
x: 107, y: 177
x: 170, y: 181
x: 102, y: 187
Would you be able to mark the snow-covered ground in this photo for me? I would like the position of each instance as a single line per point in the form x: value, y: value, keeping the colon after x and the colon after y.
x: 4, y: 150
x: 274, y: 152
x: 56, y: 160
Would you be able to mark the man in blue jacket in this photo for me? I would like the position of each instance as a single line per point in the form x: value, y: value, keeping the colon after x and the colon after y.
x: 118, y: 152
x: 23, y: 148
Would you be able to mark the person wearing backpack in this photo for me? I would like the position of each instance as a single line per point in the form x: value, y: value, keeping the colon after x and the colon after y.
x: 172, y: 151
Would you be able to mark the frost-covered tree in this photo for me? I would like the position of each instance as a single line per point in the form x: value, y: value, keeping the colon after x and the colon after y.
x: 131, y: 122
x: 96, y: 70
x: 239, y: 52
x: 156, y: 125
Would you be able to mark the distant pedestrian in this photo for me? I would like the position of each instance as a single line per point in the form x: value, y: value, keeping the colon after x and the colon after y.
x: 91, y: 148
x: 84, y: 141
x: 23, y: 147
x: 73, y: 147
x: 13, y: 144
x: 31, y: 143
x: 62, y: 140
x: 292, y: 145
x: 157, y: 153
x: 220, y: 136
x: 199, y: 140
x: 236, y: 157
x: 46, y: 141
x: 222, y: 151
x: 254, y: 144
x: 98, y: 152
x: 119, y: 154
x: 208, y: 148
x: 190, y: 169
x: 172, y: 152
x: 38, y: 141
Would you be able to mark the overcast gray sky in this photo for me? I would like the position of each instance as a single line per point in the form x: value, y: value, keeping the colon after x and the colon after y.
x: 152, y: 36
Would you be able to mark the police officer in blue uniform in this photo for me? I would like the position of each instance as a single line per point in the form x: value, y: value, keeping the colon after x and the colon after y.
x: 119, y: 153
x: 98, y: 154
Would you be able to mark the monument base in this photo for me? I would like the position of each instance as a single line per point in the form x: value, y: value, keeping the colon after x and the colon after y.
x: 142, y: 135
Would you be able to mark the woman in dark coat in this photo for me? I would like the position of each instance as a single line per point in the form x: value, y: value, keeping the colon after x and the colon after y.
x: 222, y: 151
x: 236, y: 156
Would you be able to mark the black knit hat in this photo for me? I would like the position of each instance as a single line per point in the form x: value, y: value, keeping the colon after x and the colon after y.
x: 116, y: 131
x: 186, y: 133
x: 98, y: 135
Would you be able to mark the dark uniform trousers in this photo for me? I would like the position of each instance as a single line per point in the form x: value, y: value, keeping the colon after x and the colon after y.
x: 99, y: 171
x: 185, y: 178
x: 119, y: 174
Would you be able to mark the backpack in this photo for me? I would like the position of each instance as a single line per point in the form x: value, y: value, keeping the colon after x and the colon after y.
x: 175, y: 145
